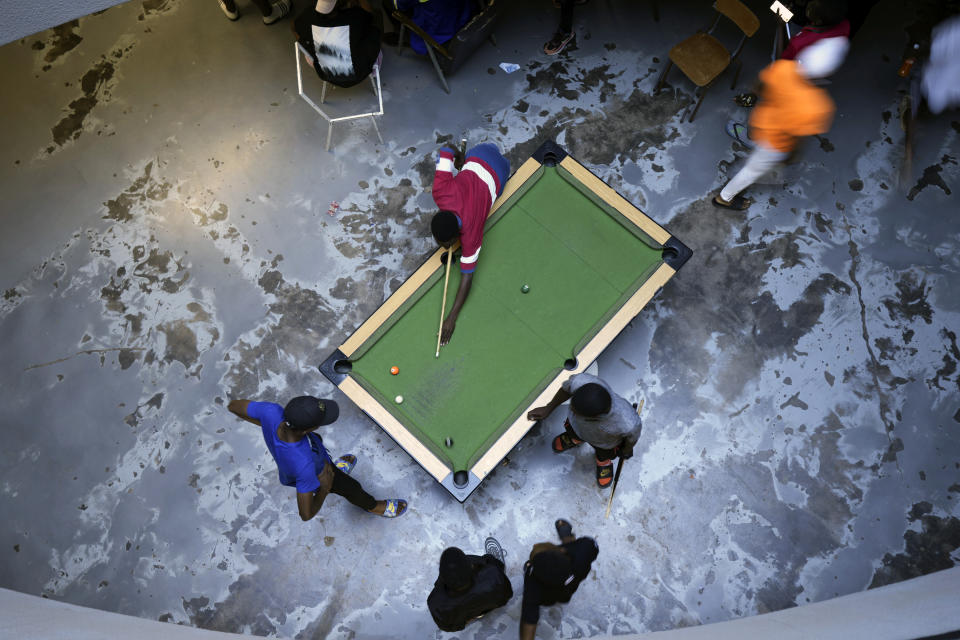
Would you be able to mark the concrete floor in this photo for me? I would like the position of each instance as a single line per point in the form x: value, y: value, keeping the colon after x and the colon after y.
x: 168, y: 246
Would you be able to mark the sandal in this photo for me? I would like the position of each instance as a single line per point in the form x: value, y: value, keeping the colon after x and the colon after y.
x: 605, y: 474
x: 565, y: 441
x: 564, y: 529
x: 395, y: 508
x: 346, y: 463
x: 739, y: 203
x: 739, y: 133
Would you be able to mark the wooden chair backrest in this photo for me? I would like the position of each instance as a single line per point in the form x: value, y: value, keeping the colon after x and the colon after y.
x: 740, y: 15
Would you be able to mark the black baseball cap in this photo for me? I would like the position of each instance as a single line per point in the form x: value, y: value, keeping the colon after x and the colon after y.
x: 455, y: 569
x: 306, y: 412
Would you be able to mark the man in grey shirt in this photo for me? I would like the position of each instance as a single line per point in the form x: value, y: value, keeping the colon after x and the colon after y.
x: 597, y: 416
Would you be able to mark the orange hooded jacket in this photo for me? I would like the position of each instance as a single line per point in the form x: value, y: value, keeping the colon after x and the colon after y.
x: 790, y: 107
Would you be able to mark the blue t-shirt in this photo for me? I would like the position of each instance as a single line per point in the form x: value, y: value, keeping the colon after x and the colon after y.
x: 299, y: 463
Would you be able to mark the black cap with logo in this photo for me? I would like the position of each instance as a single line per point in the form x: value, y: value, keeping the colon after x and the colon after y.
x: 306, y: 412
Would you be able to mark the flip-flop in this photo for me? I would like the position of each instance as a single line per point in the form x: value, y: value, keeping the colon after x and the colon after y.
x: 395, y: 508
x: 738, y: 132
x: 346, y: 463
x: 564, y: 529
x: 604, y: 475
x: 739, y: 203
x: 565, y: 441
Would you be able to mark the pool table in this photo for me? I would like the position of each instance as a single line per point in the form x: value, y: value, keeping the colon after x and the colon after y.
x: 590, y: 261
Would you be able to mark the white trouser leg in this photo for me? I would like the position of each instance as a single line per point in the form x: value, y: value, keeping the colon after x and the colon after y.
x: 761, y: 160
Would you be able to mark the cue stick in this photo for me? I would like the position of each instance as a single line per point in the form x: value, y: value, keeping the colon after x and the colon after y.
x: 616, y: 477
x: 443, y: 305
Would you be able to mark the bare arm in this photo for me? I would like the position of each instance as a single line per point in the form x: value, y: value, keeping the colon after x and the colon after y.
x: 527, y: 631
x: 239, y: 409
x: 541, y: 413
x: 308, y: 504
x: 466, y: 280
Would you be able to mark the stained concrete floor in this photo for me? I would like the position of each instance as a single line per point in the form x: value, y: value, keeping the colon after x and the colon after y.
x: 168, y: 246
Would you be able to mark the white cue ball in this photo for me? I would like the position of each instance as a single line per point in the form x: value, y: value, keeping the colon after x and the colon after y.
x: 399, y: 399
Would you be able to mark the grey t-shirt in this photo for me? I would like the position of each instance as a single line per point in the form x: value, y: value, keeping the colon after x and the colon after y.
x: 609, y: 430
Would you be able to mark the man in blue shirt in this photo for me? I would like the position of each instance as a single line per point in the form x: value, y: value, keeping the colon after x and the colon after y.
x: 303, y: 461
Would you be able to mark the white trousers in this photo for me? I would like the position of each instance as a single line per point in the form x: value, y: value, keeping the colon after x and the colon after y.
x: 762, y: 159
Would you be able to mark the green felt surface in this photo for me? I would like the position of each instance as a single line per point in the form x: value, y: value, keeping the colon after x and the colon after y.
x: 579, y: 261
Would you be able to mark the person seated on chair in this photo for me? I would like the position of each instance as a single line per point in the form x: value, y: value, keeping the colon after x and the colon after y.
x: 465, y: 201
x: 342, y: 38
x: 827, y: 19
x: 440, y: 19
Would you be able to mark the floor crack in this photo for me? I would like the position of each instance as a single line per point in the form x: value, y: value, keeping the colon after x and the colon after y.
x: 875, y: 365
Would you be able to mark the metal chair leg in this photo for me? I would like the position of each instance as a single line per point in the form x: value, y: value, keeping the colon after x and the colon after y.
x: 323, y: 92
x: 663, y: 75
x: 436, y: 65
x: 703, y: 94
x: 403, y: 29
x: 329, y: 135
x: 736, y: 75
x: 376, y: 128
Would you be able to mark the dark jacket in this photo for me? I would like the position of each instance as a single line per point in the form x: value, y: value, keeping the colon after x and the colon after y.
x: 344, y: 43
x: 441, y: 19
x: 491, y: 589
x: 582, y: 552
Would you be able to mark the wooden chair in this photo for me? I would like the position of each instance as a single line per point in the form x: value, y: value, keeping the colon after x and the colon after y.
x: 374, y: 77
x: 449, y: 58
x: 702, y: 58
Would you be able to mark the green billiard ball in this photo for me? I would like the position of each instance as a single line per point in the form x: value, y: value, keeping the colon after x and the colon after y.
x: 524, y: 289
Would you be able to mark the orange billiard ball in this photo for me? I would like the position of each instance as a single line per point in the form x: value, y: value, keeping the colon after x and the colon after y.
x: 394, y: 369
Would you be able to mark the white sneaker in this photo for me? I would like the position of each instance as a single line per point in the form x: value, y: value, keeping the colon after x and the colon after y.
x: 232, y: 15
x: 279, y: 8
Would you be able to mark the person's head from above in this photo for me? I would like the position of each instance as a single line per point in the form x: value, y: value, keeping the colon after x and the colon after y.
x: 591, y: 401
x: 552, y: 567
x: 306, y: 413
x: 823, y: 57
x: 455, y: 570
x: 445, y: 228
x: 826, y: 13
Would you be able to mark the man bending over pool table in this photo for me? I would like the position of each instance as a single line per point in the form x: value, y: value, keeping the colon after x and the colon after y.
x: 465, y: 201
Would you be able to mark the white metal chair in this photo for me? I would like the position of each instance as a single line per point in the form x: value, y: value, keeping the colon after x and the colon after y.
x: 299, y: 50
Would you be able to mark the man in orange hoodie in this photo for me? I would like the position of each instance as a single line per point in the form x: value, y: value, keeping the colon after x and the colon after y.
x: 791, y: 106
